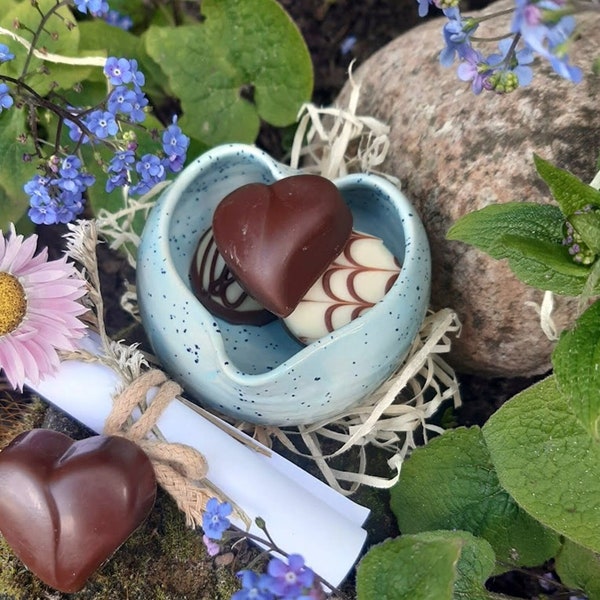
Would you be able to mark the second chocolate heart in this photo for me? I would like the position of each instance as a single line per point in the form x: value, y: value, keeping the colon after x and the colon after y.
x: 66, y: 506
x: 278, y: 239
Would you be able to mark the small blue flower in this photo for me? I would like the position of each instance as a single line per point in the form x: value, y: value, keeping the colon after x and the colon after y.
x: 292, y: 579
x: 348, y: 44
x: 121, y: 160
x: 42, y: 211
x: 511, y: 66
x: 102, y: 123
x: 138, y: 114
x: 558, y: 41
x: 6, y: 100
x: 122, y: 70
x: 475, y: 68
x: 94, y: 7
x: 76, y: 134
x: 71, y: 179
x: 546, y: 34
x: 118, y: 170
x: 564, y: 69
x: 424, y: 7
x: 69, y: 167
x: 174, y: 142
x: 214, y: 520
x: 254, y: 587
x: 116, y: 19
x: 118, y: 70
x: 150, y: 168
x: 5, y: 53
x: 121, y: 100
x: 457, y: 33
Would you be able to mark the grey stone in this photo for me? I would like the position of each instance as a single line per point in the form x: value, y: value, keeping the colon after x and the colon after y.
x: 455, y: 152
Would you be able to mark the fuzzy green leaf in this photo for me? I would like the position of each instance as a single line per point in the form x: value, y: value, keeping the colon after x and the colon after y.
x: 587, y: 224
x: 576, y: 361
x: 569, y: 191
x: 245, y: 62
x: 548, y: 462
x: 11, y: 210
x: 484, y: 228
x: 99, y: 38
x: 14, y: 171
x: 468, y: 497
x: 579, y: 568
x: 530, y: 236
x: 434, y: 565
x: 56, y: 38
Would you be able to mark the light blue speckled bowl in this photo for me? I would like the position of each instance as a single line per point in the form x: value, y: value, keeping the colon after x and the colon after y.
x: 261, y: 374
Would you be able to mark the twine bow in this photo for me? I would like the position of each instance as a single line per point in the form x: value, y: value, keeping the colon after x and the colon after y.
x: 180, y: 469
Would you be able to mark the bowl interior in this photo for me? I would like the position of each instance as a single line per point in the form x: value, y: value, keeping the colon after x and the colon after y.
x: 255, y: 350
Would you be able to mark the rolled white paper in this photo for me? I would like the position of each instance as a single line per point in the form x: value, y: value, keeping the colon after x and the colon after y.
x: 303, y: 514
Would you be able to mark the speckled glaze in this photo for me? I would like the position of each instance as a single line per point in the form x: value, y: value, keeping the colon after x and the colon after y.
x: 262, y: 374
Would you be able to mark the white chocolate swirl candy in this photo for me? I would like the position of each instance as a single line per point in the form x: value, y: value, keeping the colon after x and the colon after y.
x: 352, y: 284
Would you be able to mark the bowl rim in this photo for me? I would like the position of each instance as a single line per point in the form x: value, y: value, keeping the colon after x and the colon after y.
x: 415, y: 241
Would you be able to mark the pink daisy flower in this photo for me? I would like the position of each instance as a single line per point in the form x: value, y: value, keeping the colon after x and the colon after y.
x: 38, y: 309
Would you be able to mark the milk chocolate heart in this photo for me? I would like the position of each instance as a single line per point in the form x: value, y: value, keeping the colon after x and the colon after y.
x: 278, y: 239
x: 66, y: 506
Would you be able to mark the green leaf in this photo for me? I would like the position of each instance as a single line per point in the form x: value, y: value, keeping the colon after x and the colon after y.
x: 11, y: 209
x: 587, y: 224
x: 486, y: 227
x: 102, y: 39
x: 14, y: 171
x: 242, y: 48
x: 576, y: 361
x: 569, y: 191
x: 547, y: 462
x: 434, y: 565
x: 545, y: 266
x: 468, y: 496
x: 530, y: 236
x: 56, y: 38
x: 579, y: 568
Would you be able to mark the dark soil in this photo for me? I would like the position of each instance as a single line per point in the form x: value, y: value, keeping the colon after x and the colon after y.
x: 327, y: 26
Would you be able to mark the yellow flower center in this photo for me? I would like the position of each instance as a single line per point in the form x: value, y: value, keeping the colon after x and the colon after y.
x: 13, y: 303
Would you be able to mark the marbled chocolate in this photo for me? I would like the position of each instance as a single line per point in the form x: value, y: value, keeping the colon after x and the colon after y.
x: 278, y: 239
x: 215, y: 286
x: 352, y: 284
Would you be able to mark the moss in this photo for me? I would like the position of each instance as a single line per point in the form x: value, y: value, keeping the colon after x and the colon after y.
x: 18, y: 416
x: 162, y: 560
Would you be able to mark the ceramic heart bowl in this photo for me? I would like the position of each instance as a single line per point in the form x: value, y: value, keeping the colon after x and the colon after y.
x: 262, y: 374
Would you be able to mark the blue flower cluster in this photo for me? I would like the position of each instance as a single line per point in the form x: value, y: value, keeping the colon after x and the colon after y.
x: 57, y: 193
x: 291, y: 580
x: 96, y: 8
x: 542, y: 27
x: 125, y: 105
x: 116, y: 19
x: 58, y: 196
x: 6, y: 100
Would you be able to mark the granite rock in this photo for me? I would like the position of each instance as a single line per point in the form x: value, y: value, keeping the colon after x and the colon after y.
x: 455, y: 152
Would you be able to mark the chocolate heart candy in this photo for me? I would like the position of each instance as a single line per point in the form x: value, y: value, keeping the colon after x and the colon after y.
x: 278, y: 239
x: 66, y: 506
